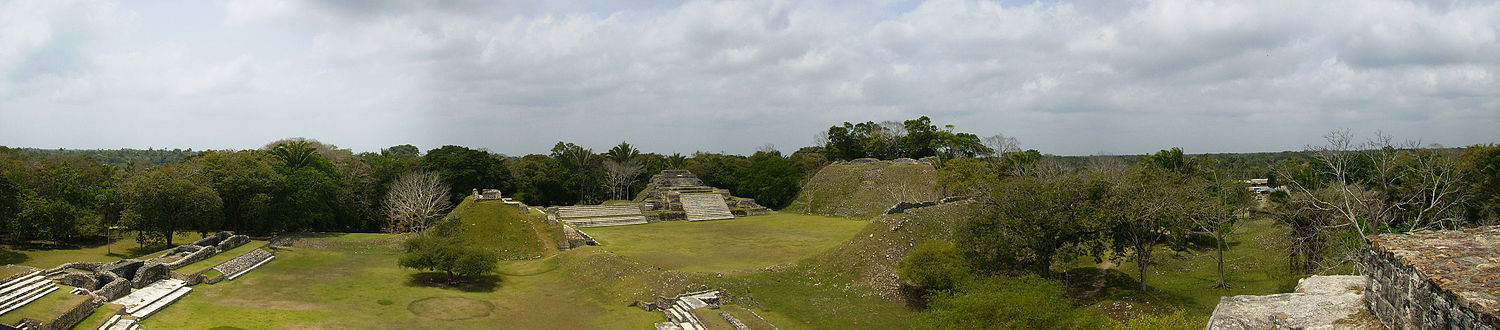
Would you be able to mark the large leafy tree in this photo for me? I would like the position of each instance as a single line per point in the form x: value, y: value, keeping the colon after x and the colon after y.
x: 770, y: 179
x: 467, y: 169
x: 1146, y: 210
x: 162, y: 201
x: 443, y: 248
x: 246, y: 181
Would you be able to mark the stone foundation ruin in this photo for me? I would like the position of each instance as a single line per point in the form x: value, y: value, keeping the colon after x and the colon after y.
x: 494, y: 195
x: 1422, y: 280
x: 1435, y: 279
x: 663, y: 199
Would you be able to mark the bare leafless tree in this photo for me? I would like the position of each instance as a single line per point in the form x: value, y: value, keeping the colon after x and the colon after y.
x: 414, y: 200
x: 1000, y: 144
x: 619, y: 176
x: 1407, y: 188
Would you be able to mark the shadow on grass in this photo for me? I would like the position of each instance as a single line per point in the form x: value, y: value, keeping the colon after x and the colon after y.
x: 485, y: 283
x: 8, y: 257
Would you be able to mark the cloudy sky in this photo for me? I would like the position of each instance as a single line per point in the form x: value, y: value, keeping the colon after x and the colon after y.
x: 515, y: 77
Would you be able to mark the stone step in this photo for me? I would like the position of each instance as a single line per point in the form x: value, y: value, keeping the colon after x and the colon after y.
x: 21, y: 288
x: 20, y: 296
x: 574, y: 212
x: 603, y: 222
x: 28, y: 298
x: 17, y: 282
x: 143, y: 297
x: 159, y: 304
x: 700, y: 207
x: 119, y: 323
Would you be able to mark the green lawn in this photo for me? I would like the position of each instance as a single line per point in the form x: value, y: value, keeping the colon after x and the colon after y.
x: 43, y: 257
x: 724, y: 245
x: 1255, y: 265
x: 359, y: 286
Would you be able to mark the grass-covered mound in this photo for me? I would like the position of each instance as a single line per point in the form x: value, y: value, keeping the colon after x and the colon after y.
x: 501, y: 227
x: 864, y: 191
x: 725, y: 245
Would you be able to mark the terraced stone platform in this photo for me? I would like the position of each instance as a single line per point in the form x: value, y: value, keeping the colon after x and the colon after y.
x: 607, y: 221
x: 601, y: 215
x: 701, y: 207
x: 592, y: 211
x: 143, y: 302
x: 23, y: 290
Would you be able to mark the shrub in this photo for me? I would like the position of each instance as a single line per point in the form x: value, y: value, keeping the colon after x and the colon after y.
x: 1003, y: 302
x: 934, y: 266
x: 1174, y: 320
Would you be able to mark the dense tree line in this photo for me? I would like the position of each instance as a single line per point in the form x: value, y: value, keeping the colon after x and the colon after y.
x: 306, y: 185
x: 916, y: 138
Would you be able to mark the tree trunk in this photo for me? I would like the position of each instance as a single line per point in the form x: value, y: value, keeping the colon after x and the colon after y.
x: 1222, y: 283
x: 1142, y: 259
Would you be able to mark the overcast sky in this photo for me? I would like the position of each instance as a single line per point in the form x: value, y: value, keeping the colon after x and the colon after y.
x: 515, y: 77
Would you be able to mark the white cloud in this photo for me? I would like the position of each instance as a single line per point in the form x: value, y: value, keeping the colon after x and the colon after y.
x: 514, y: 77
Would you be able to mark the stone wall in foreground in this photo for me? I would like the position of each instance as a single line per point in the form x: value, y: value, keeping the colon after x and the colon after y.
x: 1435, y: 279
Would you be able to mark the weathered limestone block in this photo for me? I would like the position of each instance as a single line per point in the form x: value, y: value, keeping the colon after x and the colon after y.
x: 148, y: 273
x: 1436, y: 279
x: 1320, y: 302
x: 232, y: 242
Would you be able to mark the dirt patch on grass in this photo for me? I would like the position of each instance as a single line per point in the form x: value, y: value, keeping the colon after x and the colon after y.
x: 450, y: 308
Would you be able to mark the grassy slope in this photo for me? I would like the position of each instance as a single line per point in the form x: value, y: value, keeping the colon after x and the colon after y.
x: 727, y: 245
x: 501, y: 227
x: 863, y: 191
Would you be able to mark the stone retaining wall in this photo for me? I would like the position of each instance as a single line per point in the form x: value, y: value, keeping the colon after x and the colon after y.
x: 70, y: 318
x: 242, y: 262
x: 198, y: 253
x: 150, y: 272
x: 1435, y: 279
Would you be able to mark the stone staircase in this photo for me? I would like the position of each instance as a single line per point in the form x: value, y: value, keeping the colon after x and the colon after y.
x: 593, y: 211
x: 23, y: 290
x: 143, y: 302
x: 607, y: 221
x: 120, y: 323
x: 680, y: 313
x: 701, y: 207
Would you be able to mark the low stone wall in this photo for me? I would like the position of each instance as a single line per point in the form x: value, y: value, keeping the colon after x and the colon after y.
x: 901, y: 207
x: 116, y: 287
x: 1435, y: 279
x: 233, y: 242
x: 70, y: 318
x: 198, y: 254
x: 81, y: 280
x: 242, y: 262
x: 150, y: 272
x: 574, y: 238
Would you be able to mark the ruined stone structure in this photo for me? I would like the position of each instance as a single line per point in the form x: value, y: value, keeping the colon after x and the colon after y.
x: 1421, y: 280
x: 494, y: 195
x: 1436, y: 279
x: 574, y: 238
x: 202, y: 249
x: 1318, y: 302
x: 898, y: 161
x: 680, y: 195
x: 903, y: 206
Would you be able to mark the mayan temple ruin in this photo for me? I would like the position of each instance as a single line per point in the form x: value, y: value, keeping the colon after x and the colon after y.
x: 1447, y: 279
x: 670, y: 195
